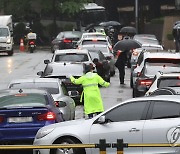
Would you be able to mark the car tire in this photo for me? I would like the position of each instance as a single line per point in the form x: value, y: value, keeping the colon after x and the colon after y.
x: 10, y: 53
x: 68, y: 150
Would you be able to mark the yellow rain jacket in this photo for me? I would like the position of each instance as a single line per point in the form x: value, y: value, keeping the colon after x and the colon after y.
x: 92, y: 96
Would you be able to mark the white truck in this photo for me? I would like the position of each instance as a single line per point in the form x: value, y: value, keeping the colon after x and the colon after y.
x: 6, y: 33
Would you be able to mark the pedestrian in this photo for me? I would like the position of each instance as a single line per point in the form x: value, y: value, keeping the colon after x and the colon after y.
x: 176, y: 35
x: 120, y: 64
x: 91, y: 94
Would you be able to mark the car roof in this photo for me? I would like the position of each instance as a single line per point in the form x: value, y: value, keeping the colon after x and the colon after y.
x: 94, y: 38
x: 71, y: 51
x: 93, y: 33
x: 169, y: 74
x: 63, y: 69
x: 6, y: 92
x: 25, y: 80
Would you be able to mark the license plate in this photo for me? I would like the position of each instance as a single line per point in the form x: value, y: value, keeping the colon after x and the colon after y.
x: 19, y: 119
x: 32, y: 45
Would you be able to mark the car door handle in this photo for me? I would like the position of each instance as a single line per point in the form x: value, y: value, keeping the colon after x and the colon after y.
x: 134, y: 130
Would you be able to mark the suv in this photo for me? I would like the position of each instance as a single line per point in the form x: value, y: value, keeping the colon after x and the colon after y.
x: 164, y: 80
x: 164, y: 62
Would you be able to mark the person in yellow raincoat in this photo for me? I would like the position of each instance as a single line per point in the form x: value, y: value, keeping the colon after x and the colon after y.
x: 92, y: 97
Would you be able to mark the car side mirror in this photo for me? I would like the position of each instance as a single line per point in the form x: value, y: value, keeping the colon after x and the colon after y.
x: 40, y: 73
x: 102, y: 119
x: 46, y: 61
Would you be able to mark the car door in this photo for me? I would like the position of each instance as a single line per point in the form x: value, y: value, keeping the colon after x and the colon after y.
x: 127, y: 121
x: 162, y: 118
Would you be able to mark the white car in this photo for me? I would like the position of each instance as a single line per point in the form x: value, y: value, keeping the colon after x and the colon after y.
x: 137, y: 121
x: 55, y: 87
x: 162, y: 80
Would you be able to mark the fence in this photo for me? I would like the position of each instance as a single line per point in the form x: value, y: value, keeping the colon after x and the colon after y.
x: 102, y: 145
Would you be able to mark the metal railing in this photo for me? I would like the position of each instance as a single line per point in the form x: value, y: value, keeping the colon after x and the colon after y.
x: 102, y: 145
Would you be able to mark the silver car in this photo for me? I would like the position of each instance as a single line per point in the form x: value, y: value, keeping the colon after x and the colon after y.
x: 55, y: 88
x: 136, y: 120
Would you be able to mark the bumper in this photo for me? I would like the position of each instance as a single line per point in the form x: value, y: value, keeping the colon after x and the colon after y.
x: 5, y: 47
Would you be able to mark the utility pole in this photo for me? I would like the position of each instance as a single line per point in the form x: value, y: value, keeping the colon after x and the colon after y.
x: 136, y: 15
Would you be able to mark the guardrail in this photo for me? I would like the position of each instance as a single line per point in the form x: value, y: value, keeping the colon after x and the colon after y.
x: 120, y: 145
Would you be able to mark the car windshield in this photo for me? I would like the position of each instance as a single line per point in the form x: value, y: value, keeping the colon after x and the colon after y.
x: 71, y: 57
x: 168, y: 82
x: 22, y: 99
x: 152, y: 68
x: 51, y: 87
x: 86, y: 42
x: 102, y: 49
x: 4, y: 32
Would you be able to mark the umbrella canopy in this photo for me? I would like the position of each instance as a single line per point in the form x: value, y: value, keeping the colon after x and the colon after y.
x: 177, y: 26
x: 126, y: 44
x: 128, y: 30
x: 110, y: 23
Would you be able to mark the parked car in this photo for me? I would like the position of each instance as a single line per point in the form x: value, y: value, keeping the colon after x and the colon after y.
x: 55, y: 87
x: 144, y: 120
x: 63, y: 70
x: 151, y: 67
x: 170, y: 79
x: 166, y: 91
x: 102, y: 64
x: 23, y: 112
x: 65, y: 40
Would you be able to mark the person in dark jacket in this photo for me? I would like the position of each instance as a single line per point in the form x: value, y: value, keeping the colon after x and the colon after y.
x: 120, y: 64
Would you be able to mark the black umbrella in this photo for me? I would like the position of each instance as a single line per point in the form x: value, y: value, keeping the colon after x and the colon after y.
x: 110, y: 23
x: 127, y: 44
x: 128, y: 30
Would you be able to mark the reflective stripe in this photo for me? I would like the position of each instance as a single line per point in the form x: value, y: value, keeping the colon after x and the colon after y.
x: 89, y: 85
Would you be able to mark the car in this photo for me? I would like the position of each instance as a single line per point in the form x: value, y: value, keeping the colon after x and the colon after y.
x: 169, y: 79
x: 151, y: 67
x: 108, y: 53
x: 95, y: 40
x: 71, y: 55
x: 166, y: 91
x: 135, y: 54
x: 143, y: 120
x: 63, y: 70
x: 23, y: 112
x: 146, y: 56
x: 65, y: 40
x: 146, y: 39
x: 102, y: 64
x: 55, y: 87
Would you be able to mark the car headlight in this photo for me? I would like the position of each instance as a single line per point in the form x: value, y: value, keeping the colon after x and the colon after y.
x: 43, y: 132
x: 8, y: 41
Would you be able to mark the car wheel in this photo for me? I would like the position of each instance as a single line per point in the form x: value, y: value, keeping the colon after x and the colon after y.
x: 67, y: 150
x: 10, y: 53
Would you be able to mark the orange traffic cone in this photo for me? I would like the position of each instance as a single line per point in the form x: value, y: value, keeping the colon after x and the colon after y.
x: 21, y: 45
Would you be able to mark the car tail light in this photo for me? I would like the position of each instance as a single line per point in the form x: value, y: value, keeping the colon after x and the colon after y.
x: 47, y: 116
x: 31, y: 42
x: 146, y: 82
x: 1, y: 119
x: 67, y: 41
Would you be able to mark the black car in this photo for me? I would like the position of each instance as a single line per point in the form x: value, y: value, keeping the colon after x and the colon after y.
x: 65, y: 40
x: 166, y: 91
x: 63, y: 70
x: 102, y: 64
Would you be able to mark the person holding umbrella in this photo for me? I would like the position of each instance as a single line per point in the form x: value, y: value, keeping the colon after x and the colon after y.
x: 176, y: 35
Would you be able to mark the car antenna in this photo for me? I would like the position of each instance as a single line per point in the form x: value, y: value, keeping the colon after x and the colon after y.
x: 20, y: 90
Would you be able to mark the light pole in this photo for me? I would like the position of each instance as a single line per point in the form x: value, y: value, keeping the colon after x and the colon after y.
x: 136, y: 15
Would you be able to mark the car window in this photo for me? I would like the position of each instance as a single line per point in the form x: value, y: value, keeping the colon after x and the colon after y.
x: 165, y: 110
x: 168, y: 82
x: 64, y: 90
x: 71, y: 57
x: 161, y: 92
x: 86, y: 42
x: 22, y: 99
x: 127, y: 112
x: 140, y: 58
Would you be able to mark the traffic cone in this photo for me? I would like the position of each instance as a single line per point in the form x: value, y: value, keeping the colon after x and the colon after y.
x: 21, y: 45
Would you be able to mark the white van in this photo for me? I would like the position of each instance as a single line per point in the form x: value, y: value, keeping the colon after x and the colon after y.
x: 6, y: 32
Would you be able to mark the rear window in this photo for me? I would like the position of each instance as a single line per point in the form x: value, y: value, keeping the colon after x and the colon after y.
x: 71, y: 57
x: 168, y: 82
x: 86, y: 42
x: 22, y: 100
x: 152, y: 68
x: 51, y: 87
